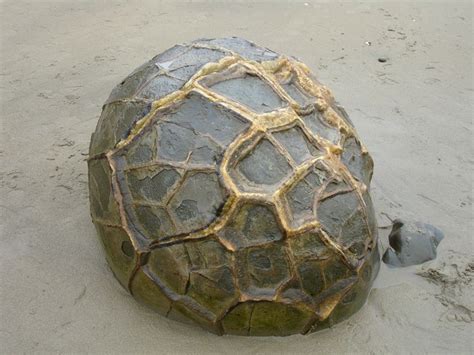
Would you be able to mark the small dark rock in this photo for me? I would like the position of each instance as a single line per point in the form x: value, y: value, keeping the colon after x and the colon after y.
x: 382, y: 59
x: 411, y: 243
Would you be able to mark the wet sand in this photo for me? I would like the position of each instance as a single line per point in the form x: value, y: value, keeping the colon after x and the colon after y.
x: 60, y: 60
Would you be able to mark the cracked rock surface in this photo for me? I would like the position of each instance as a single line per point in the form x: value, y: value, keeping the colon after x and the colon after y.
x: 230, y: 190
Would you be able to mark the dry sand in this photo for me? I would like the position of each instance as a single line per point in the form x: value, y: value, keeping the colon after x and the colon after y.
x: 59, y: 61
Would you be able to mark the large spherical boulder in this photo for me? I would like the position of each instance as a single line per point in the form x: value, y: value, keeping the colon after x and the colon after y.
x: 230, y: 190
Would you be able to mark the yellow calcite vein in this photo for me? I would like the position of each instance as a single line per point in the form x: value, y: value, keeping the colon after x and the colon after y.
x: 260, y: 124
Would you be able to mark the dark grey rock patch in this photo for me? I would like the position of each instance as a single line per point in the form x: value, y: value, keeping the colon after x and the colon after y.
x: 412, y: 243
x: 251, y: 92
x: 242, y: 47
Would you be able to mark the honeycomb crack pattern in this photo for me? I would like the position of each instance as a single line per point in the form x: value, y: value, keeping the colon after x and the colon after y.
x: 275, y: 73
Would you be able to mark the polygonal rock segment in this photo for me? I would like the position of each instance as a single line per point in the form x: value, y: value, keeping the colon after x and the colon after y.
x: 193, y: 57
x: 355, y: 298
x: 309, y: 246
x: 103, y: 204
x: 312, y: 256
x: 318, y: 266
x: 164, y: 60
x: 311, y: 276
x: 118, y: 251
x: 242, y: 47
x: 318, y: 175
x: 186, y: 310
x: 172, y: 266
x: 160, y: 86
x: 208, y: 119
x: 211, y: 282
x: 237, y: 320
x: 293, y: 293
x: 146, y: 291
x: 177, y: 143
x: 301, y: 195
x: 355, y: 233
x: 142, y: 149
x: 129, y: 87
x: 207, y: 254
x: 319, y: 127
x: 297, y: 94
x: 335, y: 186
x: 213, y: 288
x: 297, y: 144
x: 198, y: 201
x: 289, y: 81
x: 336, y: 271
x: 371, y: 219
x: 262, y: 270
x: 264, y: 165
x: 250, y: 91
x: 115, y: 123
x: 343, y: 218
x: 301, y: 202
x: 151, y: 184
x: 266, y: 318
x: 155, y: 221
x: 333, y: 212
x: 341, y: 111
x: 319, y: 275
x: 176, y: 67
x: 251, y: 225
x: 359, y: 163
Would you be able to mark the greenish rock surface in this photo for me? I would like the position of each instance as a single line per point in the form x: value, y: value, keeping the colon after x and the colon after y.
x: 230, y: 190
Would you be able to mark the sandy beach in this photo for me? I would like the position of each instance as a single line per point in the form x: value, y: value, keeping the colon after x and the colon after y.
x: 413, y: 110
